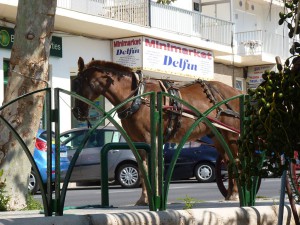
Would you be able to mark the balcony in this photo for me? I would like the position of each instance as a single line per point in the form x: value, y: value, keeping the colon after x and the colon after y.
x: 254, y: 47
x: 262, y: 44
x: 131, y: 11
x: 112, y: 19
x: 158, y: 16
x: 191, y: 23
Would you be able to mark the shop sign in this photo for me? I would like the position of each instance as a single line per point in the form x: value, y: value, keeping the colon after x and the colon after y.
x: 128, y: 52
x: 6, y: 37
x: 163, y: 57
x: 7, y: 40
x: 56, y: 47
x: 254, y: 76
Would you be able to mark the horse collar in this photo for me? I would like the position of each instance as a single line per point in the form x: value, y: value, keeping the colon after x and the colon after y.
x: 136, y: 103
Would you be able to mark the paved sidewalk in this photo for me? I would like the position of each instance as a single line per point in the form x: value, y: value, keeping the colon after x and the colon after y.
x: 82, y: 210
x: 205, y: 213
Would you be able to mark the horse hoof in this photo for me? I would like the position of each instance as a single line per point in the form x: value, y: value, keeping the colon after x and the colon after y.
x: 232, y: 198
x: 141, y: 203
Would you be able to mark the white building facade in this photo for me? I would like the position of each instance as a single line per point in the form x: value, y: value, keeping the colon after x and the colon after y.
x: 232, y: 41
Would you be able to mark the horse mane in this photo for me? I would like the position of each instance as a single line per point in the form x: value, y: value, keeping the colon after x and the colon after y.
x: 110, y: 67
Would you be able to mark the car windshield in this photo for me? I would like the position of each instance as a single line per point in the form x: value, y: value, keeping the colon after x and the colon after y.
x: 98, y: 138
x: 173, y: 146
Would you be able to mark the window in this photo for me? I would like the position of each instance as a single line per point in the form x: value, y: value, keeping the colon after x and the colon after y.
x: 97, y: 139
x: 196, y: 6
x: 116, y: 136
x: 195, y: 144
x: 239, y: 83
x: 73, y: 139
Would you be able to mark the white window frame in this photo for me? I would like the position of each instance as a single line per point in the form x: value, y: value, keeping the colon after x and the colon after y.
x: 239, y: 83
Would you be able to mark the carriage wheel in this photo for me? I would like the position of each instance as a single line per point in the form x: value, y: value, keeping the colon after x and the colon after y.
x: 294, y: 177
x: 222, y: 176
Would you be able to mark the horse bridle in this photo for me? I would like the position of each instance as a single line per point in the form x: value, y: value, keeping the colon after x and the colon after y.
x: 136, y: 103
x: 77, y: 85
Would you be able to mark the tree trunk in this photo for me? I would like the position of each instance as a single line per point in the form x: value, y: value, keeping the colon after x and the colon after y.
x: 28, y: 72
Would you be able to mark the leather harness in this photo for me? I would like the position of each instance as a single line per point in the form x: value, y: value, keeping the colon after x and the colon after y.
x: 136, y: 103
x: 174, y: 108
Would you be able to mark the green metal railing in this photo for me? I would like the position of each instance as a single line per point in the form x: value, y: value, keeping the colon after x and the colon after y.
x: 104, y: 167
x: 156, y: 184
x: 45, y: 189
x: 157, y: 187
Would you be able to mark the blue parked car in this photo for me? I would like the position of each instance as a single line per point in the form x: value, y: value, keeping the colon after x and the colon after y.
x: 40, y: 157
x: 196, y: 159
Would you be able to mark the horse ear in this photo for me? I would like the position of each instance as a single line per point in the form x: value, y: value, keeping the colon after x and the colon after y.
x: 80, y: 64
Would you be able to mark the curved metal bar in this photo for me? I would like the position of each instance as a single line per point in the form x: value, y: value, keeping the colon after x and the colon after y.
x: 156, y: 119
x: 62, y: 195
x: 104, y: 166
x: 70, y: 169
x: 202, y: 118
x: 46, y: 204
x: 33, y: 164
x: 106, y: 115
x: 150, y: 190
x: 23, y: 96
x: 207, y: 112
x: 221, y: 103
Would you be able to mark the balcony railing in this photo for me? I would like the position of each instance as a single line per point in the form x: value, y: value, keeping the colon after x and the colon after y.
x: 190, y: 23
x: 258, y: 42
x: 161, y: 16
x: 131, y: 11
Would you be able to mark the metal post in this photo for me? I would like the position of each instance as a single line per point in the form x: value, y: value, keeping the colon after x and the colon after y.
x: 56, y: 120
x: 160, y: 155
x: 282, y: 193
x: 104, y: 167
x: 49, y: 154
x: 153, y: 177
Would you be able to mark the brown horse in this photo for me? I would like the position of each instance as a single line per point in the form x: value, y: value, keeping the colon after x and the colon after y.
x: 118, y: 83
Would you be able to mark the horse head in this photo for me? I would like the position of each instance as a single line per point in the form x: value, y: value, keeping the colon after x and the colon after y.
x: 81, y: 85
x: 94, y: 79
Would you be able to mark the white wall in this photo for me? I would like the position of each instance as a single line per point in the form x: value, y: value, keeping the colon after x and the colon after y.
x: 183, y: 4
x: 223, y: 78
x: 256, y: 16
x: 73, y: 48
x: 220, y: 11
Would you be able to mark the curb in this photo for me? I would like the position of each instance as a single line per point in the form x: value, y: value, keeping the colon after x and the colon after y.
x: 262, y: 215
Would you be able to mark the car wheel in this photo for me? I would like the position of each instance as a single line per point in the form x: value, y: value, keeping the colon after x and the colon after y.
x: 128, y: 176
x: 33, y: 186
x: 205, y: 172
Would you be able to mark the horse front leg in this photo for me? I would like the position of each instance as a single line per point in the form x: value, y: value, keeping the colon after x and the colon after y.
x: 143, y: 200
x: 232, y: 191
